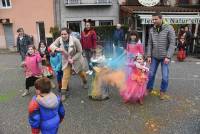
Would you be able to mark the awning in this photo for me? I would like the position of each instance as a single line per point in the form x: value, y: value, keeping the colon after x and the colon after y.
x: 172, y: 19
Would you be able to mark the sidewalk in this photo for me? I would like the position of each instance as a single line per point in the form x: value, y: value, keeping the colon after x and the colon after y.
x: 7, y: 50
x: 190, y: 58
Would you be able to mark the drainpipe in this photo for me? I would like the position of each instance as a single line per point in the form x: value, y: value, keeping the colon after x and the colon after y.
x: 196, y: 32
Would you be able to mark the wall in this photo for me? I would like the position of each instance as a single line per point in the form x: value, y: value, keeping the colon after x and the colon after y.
x: 25, y: 13
x: 93, y: 12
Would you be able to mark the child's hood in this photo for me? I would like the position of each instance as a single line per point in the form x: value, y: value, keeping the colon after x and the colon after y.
x: 49, y: 101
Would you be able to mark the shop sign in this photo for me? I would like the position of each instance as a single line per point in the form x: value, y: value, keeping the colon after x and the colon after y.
x: 174, y: 20
x: 149, y: 3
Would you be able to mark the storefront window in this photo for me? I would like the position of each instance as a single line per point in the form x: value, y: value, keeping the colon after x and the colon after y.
x: 74, y: 25
x: 105, y: 23
x: 183, y: 2
x: 139, y: 24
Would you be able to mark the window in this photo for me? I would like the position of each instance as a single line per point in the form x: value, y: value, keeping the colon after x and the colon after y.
x: 105, y: 23
x: 183, y: 1
x: 5, y: 3
x: 139, y: 25
x: 74, y: 26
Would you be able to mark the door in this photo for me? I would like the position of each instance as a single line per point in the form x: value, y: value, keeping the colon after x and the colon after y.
x: 41, y: 31
x: 8, y: 31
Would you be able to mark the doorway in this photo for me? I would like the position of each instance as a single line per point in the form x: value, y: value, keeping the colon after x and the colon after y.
x: 9, y: 36
x: 41, y: 31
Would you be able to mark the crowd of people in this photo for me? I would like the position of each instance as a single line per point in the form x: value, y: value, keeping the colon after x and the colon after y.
x: 69, y: 55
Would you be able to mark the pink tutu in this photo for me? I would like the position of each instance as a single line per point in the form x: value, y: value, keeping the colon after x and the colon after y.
x: 135, y: 88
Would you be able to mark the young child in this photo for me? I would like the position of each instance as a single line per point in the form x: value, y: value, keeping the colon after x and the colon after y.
x: 31, y: 68
x: 181, y: 49
x: 132, y: 42
x: 42, y: 48
x: 46, y: 111
x: 56, y: 64
x: 135, y: 88
x: 99, y: 89
x: 133, y: 47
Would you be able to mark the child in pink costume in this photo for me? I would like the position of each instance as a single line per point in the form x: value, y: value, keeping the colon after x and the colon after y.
x: 135, y: 88
x: 32, y: 68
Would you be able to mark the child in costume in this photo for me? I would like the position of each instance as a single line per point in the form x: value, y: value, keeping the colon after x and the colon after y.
x: 44, y: 53
x: 99, y: 89
x: 42, y: 49
x: 46, y: 111
x: 181, y: 49
x: 132, y: 41
x: 32, y: 68
x: 56, y: 64
x: 133, y: 47
x: 135, y: 88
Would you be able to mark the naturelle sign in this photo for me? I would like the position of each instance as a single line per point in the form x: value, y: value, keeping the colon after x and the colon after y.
x: 195, y: 20
x: 149, y: 3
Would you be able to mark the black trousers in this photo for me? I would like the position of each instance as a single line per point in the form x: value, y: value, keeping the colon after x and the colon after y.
x: 30, y: 81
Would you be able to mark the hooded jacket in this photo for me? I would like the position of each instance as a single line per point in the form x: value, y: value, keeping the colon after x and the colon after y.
x: 31, y: 64
x: 74, y: 51
x: 45, y: 114
x: 161, y: 43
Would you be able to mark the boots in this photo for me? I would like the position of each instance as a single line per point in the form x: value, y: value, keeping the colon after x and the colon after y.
x: 84, y: 84
x: 63, y: 95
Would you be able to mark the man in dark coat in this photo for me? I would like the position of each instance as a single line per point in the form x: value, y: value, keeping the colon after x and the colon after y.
x: 23, y: 41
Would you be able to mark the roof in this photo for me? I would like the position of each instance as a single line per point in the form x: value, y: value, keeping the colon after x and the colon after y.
x: 137, y: 9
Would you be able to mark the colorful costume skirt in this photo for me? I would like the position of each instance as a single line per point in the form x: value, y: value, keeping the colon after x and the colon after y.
x: 99, y: 89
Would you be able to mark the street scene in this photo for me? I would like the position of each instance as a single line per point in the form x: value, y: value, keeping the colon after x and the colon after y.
x: 179, y: 114
x: 100, y: 67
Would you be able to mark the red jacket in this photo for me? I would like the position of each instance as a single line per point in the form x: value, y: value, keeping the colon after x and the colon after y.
x: 88, y: 39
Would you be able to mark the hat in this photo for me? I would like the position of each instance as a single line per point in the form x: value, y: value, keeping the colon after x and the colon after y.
x: 87, y: 20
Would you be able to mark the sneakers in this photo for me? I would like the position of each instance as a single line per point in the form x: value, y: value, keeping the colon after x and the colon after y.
x: 64, y: 94
x: 26, y: 92
x: 63, y: 97
x: 89, y: 72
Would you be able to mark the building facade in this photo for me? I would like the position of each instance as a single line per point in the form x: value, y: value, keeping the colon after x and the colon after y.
x: 35, y: 16
x: 138, y: 17
x: 70, y: 13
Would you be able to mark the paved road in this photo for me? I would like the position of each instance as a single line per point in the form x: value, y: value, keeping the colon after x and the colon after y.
x: 178, y: 115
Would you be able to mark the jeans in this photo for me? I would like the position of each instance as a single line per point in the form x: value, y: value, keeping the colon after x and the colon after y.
x: 152, y: 73
x: 88, y: 54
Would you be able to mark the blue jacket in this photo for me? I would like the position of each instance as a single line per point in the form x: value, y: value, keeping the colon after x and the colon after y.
x: 118, y: 35
x: 45, y: 114
x: 56, y: 62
